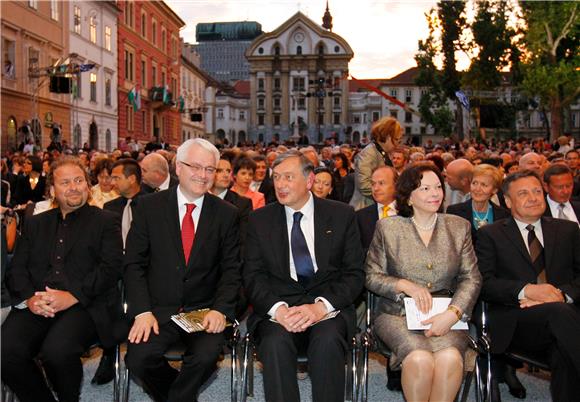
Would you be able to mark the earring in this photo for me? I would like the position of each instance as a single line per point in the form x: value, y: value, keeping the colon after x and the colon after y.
x: 410, y: 203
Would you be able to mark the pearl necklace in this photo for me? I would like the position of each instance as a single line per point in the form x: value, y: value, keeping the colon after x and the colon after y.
x: 424, y: 228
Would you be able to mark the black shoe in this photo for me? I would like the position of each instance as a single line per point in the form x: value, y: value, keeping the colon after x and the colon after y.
x: 394, y: 380
x: 106, y: 370
x: 511, y: 379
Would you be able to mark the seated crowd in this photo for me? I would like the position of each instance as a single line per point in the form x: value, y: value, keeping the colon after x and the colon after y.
x: 289, y: 239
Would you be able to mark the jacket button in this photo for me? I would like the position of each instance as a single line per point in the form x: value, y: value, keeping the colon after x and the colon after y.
x: 429, y: 285
x: 429, y: 266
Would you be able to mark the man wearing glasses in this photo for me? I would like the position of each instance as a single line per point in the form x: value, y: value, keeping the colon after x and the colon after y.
x: 182, y: 254
x: 63, y: 283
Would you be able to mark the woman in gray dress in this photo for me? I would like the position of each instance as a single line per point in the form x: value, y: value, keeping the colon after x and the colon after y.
x: 420, y: 254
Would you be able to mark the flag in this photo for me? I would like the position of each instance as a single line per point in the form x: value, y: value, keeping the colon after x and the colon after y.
x: 134, y: 98
x: 86, y: 67
x: 181, y: 104
x: 462, y: 99
x: 165, y: 95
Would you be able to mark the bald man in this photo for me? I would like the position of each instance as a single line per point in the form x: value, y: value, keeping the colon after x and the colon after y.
x: 531, y: 161
x: 458, y: 181
x: 155, y: 171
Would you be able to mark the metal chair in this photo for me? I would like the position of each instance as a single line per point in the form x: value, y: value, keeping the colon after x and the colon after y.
x: 175, y: 354
x: 369, y: 341
x: 249, y: 355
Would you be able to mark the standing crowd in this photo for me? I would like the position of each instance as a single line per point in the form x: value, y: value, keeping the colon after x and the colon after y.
x: 289, y: 238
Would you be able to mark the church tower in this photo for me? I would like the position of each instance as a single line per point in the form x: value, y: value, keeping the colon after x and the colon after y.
x: 327, y: 19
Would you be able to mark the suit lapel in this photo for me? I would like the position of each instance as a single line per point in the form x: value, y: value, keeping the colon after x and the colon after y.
x: 281, y: 247
x: 513, y: 233
x: 172, y: 218
x: 322, y: 235
x: 203, y: 227
x: 550, y: 234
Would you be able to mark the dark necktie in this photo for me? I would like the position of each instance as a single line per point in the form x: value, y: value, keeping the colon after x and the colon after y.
x: 187, y: 232
x: 536, y: 253
x: 561, y: 213
x: 300, y: 253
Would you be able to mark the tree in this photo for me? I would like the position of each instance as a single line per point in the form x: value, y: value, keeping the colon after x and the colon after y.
x: 446, y: 24
x: 551, y: 42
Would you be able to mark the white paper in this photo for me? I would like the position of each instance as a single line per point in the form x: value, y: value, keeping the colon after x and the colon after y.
x: 414, y: 316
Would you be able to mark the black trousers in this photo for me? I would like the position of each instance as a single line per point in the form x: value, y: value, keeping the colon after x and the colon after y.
x: 325, y: 345
x: 164, y: 383
x: 58, y: 342
x: 553, y: 327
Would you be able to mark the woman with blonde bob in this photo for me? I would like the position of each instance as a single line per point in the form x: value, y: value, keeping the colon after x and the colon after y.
x: 480, y: 210
x: 386, y: 135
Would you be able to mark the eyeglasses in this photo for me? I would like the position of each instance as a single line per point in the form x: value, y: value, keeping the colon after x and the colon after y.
x: 210, y: 170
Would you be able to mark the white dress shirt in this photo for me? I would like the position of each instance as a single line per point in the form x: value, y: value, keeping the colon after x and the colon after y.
x: 182, y: 200
x: 392, y: 209
x: 165, y: 184
x: 568, y: 210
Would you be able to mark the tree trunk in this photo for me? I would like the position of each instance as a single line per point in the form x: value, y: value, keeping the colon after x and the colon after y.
x: 556, y: 120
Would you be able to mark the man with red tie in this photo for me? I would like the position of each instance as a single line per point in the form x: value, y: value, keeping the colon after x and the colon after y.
x: 182, y: 254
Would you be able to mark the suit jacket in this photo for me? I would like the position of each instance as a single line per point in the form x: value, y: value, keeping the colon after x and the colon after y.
x: 267, y: 188
x: 365, y: 163
x: 92, y: 264
x: 156, y: 276
x: 506, y: 267
x: 146, y: 188
x: 244, y: 206
x: 338, y: 253
x: 575, y: 207
x: 366, y: 219
x: 465, y: 210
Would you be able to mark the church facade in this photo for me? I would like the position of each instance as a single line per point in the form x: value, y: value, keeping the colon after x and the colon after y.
x: 299, y: 82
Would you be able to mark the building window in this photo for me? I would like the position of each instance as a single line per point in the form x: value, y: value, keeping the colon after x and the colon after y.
x: 277, y: 120
x: 301, y: 104
x: 173, y: 85
x: 277, y: 50
x: 108, y: 38
x: 276, y: 103
x: 356, y: 119
x: 298, y: 84
x: 277, y: 83
x: 260, y: 103
x: 260, y: 120
x: 144, y: 25
x: 376, y: 116
x: 77, y: 19
x: 153, y: 76
x: 260, y: 84
x: 242, y: 115
x: 163, y: 39
x: 108, y: 92
x: 320, y: 119
x: 144, y: 120
x: 394, y: 93
x: 93, y: 29
x: 154, y: 32
x: 108, y: 140
x: 129, y: 13
x: 93, y: 87
x: 8, y: 58
x: 575, y: 120
x: 408, y: 96
x: 336, y: 101
x: 408, y: 130
x: 33, y: 4
x: 33, y: 57
x: 144, y: 73
x: 129, y: 66
x: 220, y: 113
x: 54, y: 9
x: 394, y: 113
x: 77, y: 86
x: 163, y: 78
x: 130, y: 117
x: 408, y: 117
x: 298, y: 49
x: 336, y: 118
x: 423, y: 130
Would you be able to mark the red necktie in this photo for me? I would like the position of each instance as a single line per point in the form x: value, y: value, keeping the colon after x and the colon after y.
x: 187, y: 231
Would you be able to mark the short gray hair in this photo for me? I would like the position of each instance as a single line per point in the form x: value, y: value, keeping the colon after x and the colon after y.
x: 205, y: 144
x: 305, y: 163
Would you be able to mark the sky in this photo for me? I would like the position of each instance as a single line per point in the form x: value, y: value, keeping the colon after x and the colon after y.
x: 382, y: 33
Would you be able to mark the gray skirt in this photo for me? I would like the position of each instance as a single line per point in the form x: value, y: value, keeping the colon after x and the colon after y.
x: 392, y: 330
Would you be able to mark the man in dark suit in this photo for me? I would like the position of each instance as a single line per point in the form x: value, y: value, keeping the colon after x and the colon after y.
x: 182, y: 254
x: 221, y: 188
x: 531, y: 280
x: 383, y: 182
x: 126, y: 177
x: 63, y: 283
x: 155, y: 172
x: 559, y: 184
x: 262, y: 181
x: 303, y: 260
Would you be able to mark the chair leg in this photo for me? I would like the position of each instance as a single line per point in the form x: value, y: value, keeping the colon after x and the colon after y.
x: 126, y: 385
x: 364, y: 368
x: 117, y: 379
x: 244, y: 368
x: 234, y: 386
x: 353, y: 370
x: 466, y: 386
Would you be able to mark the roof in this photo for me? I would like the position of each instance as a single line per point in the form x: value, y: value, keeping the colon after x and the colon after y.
x: 242, y: 87
x: 407, y: 77
x: 355, y: 86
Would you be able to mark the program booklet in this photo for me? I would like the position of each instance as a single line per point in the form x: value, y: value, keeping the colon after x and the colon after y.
x: 191, y: 321
x: 415, y: 317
